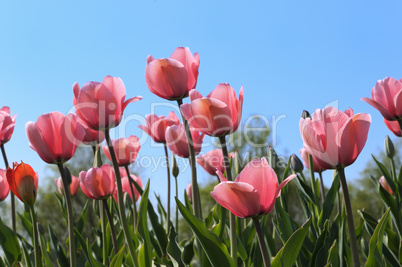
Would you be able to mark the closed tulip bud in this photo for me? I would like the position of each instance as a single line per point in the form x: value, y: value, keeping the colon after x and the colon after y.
x: 23, y: 182
x: 296, y: 164
x: 389, y: 147
x: 306, y: 114
x: 4, y: 188
x: 175, y: 168
x: 189, y: 191
x: 75, y: 183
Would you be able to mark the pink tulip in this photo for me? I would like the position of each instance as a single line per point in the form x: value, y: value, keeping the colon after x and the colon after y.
x: 126, y: 185
x: 386, y: 97
x: 75, y: 182
x: 335, y: 138
x: 218, y: 114
x: 54, y: 136
x: 101, y: 105
x: 254, y: 191
x: 7, y: 124
x: 212, y: 161
x: 177, y: 141
x: 394, y: 127
x: 156, y: 126
x: 385, y: 185
x: 4, y: 188
x: 98, y: 183
x: 318, y: 165
x: 189, y: 192
x: 92, y: 137
x: 126, y: 150
x: 172, y: 78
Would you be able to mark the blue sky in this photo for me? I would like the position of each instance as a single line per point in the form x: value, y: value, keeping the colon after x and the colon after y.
x: 289, y: 55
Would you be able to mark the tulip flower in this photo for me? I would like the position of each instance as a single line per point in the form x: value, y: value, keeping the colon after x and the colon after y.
x: 4, y: 187
x: 172, y: 78
x: 254, y: 191
x: 126, y: 185
x: 92, y: 137
x: 75, y: 182
x: 101, y: 105
x: 177, y: 141
x: 394, y: 127
x: 318, y: 166
x: 23, y: 182
x: 54, y: 136
x: 335, y: 138
x: 189, y: 192
x: 98, y: 183
x: 218, y: 114
x: 156, y: 126
x: 386, y: 97
x: 385, y: 185
x: 213, y: 161
x: 126, y: 150
x: 7, y: 124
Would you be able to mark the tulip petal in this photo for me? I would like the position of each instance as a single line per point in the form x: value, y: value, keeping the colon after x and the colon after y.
x: 194, y: 94
x: 116, y: 86
x: 131, y: 100
x: 278, y: 193
x: 37, y: 143
x: 398, y: 103
x: 221, y: 177
x: 383, y: 110
x: 394, y: 127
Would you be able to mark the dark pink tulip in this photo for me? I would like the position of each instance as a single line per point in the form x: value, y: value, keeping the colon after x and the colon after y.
x: 7, y: 124
x: 386, y: 97
x: 101, y: 105
x: 318, y: 165
x: 126, y: 150
x: 394, y: 127
x: 172, y: 78
x: 385, y: 185
x: 92, y: 137
x: 54, y: 136
x: 75, y: 182
x: 189, y: 192
x: 177, y: 141
x: 254, y: 191
x: 156, y: 126
x: 98, y: 183
x: 4, y: 187
x: 212, y: 161
x: 335, y: 138
x: 217, y: 114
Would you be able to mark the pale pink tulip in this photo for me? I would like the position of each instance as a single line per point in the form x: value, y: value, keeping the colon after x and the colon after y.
x: 212, y: 161
x: 189, y: 192
x: 335, y: 138
x: 218, y: 114
x: 172, y: 78
x: 156, y: 126
x: 4, y: 188
x: 75, y: 182
x: 394, y: 127
x: 92, y: 137
x: 7, y: 124
x: 54, y: 136
x: 177, y: 141
x: 318, y: 165
x: 126, y: 150
x: 386, y: 97
x: 385, y: 185
x: 101, y: 105
x: 254, y: 191
x: 98, y: 183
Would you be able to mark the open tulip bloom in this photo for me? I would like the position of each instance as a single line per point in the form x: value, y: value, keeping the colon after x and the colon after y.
x: 126, y: 150
x: 7, y: 124
x: 254, y: 191
x: 155, y: 126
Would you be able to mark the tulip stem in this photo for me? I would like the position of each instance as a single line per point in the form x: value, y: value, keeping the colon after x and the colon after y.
x: 310, y: 162
x: 103, y: 226
x: 168, y: 188
x: 12, y: 197
x: 134, y: 200
x: 38, y: 258
x: 177, y: 207
x: 232, y: 218
x: 261, y: 241
x: 120, y: 201
x: 349, y: 217
x: 322, y: 188
x: 111, y: 225
x: 70, y: 218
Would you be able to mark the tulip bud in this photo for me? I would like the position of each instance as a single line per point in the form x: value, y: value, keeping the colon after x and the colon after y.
x: 306, y: 114
x: 175, y: 168
x: 23, y: 182
x: 296, y: 164
x: 389, y: 147
x: 189, y: 191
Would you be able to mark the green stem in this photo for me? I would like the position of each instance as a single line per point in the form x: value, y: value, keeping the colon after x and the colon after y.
x: 310, y: 162
x: 70, y: 217
x: 196, y: 191
x: 12, y: 196
x: 349, y: 217
x: 103, y: 226
x: 168, y: 188
x: 232, y: 218
x: 261, y: 241
x: 120, y: 203
x: 134, y: 200
x: 177, y: 207
x: 322, y: 188
x: 111, y: 225
x: 38, y: 258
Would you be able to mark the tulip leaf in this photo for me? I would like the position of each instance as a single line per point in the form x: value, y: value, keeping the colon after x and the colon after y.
x: 386, y: 174
x: 158, y: 228
x: 9, y: 243
x: 117, y: 260
x: 173, y: 249
x: 86, y: 250
x: 145, y: 255
x: 375, y: 252
x: 188, y: 251
x: 215, y: 250
x: 60, y: 254
x: 287, y: 255
x: 329, y: 201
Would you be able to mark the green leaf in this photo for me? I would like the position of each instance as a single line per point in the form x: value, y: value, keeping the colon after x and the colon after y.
x: 86, y: 250
x: 333, y: 258
x: 9, y: 243
x: 145, y: 256
x: 60, y: 254
x: 215, y: 250
x: 188, y: 251
x: 287, y: 255
x: 329, y: 202
x: 173, y: 249
x: 82, y: 218
x: 117, y: 260
x: 386, y: 174
x: 26, y: 222
x: 375, y: 252
x: 26, y: 255
x: 158, y: 228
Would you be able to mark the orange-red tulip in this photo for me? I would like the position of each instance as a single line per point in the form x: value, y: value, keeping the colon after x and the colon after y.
x: 23, y: 182
x: 172, y: 78
x: 101, y: 105
x: 254, y: 191
x: 98, y: 183
x: 335, y: 138
x: 126, y: 150
x: 7, y: 124
x: 156, y: 126
x: 4, y: 188
x: 177, y: 141
x: 75, y: 182
x: 218, y: 114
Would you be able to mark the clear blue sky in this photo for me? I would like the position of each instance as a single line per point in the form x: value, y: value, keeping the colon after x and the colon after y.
x: 289, y: 55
